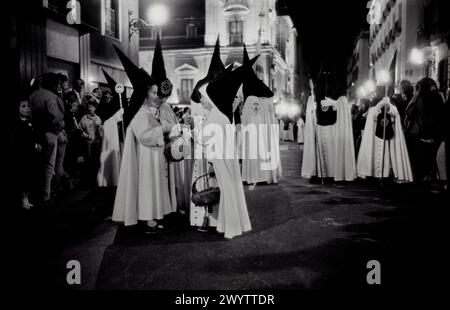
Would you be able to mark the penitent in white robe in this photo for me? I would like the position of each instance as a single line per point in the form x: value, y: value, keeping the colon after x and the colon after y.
x: 108, y: 173
x: 309, y: 161
x: 143, y: 191
x: 287, y: 135
x: 233, y: 219
x: 300, y: 132
x: 274, y: 146
x: 334, y: 150
x: 370, y: 157
x: 256, y: 141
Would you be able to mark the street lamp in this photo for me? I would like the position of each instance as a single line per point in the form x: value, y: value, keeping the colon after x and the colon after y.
x: 383, y: 77
x: 362, y: 92
x: 369, y: 86
x: 416, y: 56
x: 157, y: 15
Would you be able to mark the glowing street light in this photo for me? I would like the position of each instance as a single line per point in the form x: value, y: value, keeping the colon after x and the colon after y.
x: 369, y: 86
x: 416, y: 57
x: 158, y: 15
x: 362, y: 92
x: 383, y: 77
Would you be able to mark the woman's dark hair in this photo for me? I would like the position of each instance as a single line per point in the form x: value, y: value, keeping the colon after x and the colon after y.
x: 425, y: 86
x: 63, y: 78
x: 407, y: 88
x: 91, y: 102
x: 50, y: 81
x: 70, y: 97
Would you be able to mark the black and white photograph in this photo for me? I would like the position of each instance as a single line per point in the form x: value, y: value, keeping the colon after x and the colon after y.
x: 226, y: 152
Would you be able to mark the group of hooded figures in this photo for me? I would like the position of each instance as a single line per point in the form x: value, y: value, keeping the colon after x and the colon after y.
x: 151, y: 184
x: 329, y: 150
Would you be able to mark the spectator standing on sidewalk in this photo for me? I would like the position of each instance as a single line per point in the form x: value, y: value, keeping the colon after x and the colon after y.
x: 91, y: 127
x: 425, y: 129
x: 25, y: 149
x: 48, y: 120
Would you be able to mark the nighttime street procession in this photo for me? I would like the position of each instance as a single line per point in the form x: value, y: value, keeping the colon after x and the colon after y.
x: 206, y: 146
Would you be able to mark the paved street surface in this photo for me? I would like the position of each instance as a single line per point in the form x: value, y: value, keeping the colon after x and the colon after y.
x: 304, y: 236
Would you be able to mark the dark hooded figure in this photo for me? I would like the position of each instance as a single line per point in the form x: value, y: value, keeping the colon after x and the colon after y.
x: 258, y: 111
x: 159, y: 73
x: 143, y: 190
x: 216, y: 136
x: 425, y: 128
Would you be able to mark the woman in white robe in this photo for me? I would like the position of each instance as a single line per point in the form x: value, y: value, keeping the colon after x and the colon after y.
x: 143, y: 191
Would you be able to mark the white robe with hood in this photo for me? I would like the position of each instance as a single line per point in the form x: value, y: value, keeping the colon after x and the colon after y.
x: 110, y: 157
x: 329, y: 151
x: 256, y: 141
x: 233, y: 219
x: 143, y: 191
x: 370, y: 157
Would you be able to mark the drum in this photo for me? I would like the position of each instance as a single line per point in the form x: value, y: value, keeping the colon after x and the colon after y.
x: 177, y: 149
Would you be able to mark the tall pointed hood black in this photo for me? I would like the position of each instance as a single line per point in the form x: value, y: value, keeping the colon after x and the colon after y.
x: 253, y: 86
x: 141, y: 82
x: 223, y: 89
x: 215, y: 69
x: 159, y: 71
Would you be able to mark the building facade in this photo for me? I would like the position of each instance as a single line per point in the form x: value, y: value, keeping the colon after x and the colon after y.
x: 434, y: 35
x: 358, y: 66
x: 392, y: 40
x: 188, y: 42
x: 70, y: 37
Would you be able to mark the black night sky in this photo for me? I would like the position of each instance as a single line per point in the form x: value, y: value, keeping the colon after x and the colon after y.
x: 327, y: 30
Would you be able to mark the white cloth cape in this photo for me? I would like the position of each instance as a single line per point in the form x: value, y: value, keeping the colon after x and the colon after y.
x: 334, y: 154
x: 254, y: 116
x: 110, y: 157
x: 395, y: 155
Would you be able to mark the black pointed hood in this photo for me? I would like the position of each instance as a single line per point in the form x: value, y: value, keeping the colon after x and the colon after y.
x: 216, y: 66
x: 245, y: 59
x: 114, y: 104
x: 215, y: 69
x: 222, y: 90
x: 253, y: 86
x: 159, y: 71
x: 138, y: 77
x: 141, y: 82
x: 109, y: 80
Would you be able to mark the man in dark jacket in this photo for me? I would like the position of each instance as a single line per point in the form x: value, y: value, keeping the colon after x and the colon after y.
x: 48, y: 121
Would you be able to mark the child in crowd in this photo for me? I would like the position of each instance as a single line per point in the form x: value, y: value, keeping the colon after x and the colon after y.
x: 75, y: 141
x: 24, y: 152
x: 92, y: 132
